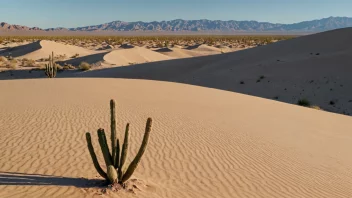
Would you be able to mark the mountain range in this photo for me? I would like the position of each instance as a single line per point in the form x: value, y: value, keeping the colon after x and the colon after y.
x: 180, y: 25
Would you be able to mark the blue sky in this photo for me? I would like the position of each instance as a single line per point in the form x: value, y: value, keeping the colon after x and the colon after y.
x: 73, y: 13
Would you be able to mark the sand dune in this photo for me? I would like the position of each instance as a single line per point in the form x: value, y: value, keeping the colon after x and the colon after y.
x: 194, y: 51
x: 315, y: 67
x: 174, y: 52
x: 42, y: 49
x: 121, y: 57
x: 133, y: 55
x: 211, y: 143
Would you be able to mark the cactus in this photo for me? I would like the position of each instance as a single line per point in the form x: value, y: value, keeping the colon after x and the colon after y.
x: 51, y: 68
x: 116, y: 159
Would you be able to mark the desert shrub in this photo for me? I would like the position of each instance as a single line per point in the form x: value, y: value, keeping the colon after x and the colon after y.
x: 3, y: 59
x: 84, y: 66
x: 68, y: 67
x: 11, y: 65
x: 316, y: 107
x: 75, y: 56
x: 28, y: 62
x: 304, y: 103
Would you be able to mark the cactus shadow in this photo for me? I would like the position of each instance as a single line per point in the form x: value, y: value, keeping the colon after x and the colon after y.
x: 23, y: 179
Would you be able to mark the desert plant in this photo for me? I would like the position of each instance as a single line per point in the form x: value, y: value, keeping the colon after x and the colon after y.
x: 11, y: 65
x: 316, y: 107
x: 116, y: 158
x: 68, y: 67
x: 3, y: 59
x: 303, y: 102
x: 51, y: 67
x: 84, y: 66
x: 28, y: 63
x: 75, y: 56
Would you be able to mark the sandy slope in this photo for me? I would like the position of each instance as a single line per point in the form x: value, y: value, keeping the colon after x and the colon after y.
x: 205, y: 142
x: 315, y: 67
x: 194, y: 51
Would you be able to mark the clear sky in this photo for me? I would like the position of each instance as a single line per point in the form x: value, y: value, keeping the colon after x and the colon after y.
x: 74, y: 13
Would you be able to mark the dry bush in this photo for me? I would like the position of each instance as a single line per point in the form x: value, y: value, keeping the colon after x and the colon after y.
x: 316, y: 107
x: 68, y: 67
x: 304, y: 103
x: 75, y: 56
x: 28, y: 62
x: 11, y: 65
x: 84, y: 66
x: 3, y: 59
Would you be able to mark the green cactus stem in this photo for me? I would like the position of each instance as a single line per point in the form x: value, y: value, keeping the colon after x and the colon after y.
x: 124, y: 151
x: 117, y: 156
x: 104, y: 147
x: 113, y: 129
x: 94, y: 157
x: 132, y: 167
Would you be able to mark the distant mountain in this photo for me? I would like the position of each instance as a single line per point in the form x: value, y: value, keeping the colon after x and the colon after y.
x: 180, y: 25
x: 8, y: 27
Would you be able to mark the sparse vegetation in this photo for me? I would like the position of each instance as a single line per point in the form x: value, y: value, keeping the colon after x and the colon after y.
x: 160, y: 41
x: 84, y: 66
x: 115, y: 158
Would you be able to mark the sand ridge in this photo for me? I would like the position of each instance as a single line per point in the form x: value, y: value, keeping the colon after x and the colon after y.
x: 42, y: 49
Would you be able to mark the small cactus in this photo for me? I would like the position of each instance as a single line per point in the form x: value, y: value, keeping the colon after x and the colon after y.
x: 115, y: 160
x: 51, y: 68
